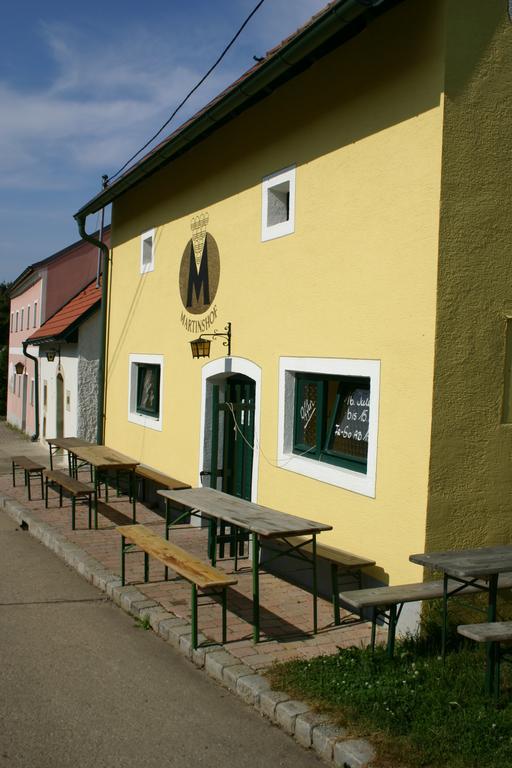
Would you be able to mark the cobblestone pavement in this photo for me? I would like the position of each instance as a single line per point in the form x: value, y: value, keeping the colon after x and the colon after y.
x: 286, y: 609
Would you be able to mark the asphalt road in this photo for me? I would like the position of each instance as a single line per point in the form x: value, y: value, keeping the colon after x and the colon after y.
x: 81, y: 685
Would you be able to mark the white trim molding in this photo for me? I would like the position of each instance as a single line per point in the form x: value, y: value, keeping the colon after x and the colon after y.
x: 145, y: 265
x: 278, y: 204
x: 358, y: 482
x: 217, y: 370
x: 138, y: 418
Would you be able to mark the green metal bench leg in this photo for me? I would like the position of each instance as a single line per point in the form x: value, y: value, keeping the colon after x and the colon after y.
x: 146, y: 567
x: 13, y: 475
x: 73, y: 511
x: 375, y: 613
x: 224, y: 615
x: 46, y: 494
x: 255, y: 589
x: 42, y: 482
x: 118, y: 489
x: 133, y: 493
x: 96, y: 494
x: 315, y: 586
x: 235, y: 542
x: 123, y: 572
x: 60, y: 495
x: 90, y: 510
x: 335, y: 594
x: 194, y: 616
x: 27, y: 483
x: 391, y: 631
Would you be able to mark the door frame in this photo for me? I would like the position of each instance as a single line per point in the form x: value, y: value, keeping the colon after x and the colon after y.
x: 219, y: 370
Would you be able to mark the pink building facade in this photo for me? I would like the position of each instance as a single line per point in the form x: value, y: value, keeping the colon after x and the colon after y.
x: 36, y: 295
x: 25, y: 319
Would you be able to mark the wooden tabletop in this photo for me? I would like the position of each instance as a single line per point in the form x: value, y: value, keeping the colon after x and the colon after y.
x: 102, y: 457
x: 68, y: 442
x: 466, y: 563
x: 182, y: 562
x: 244, y: 514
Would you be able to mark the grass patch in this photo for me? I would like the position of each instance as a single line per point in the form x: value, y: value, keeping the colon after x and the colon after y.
x: 415, y: 708
x: 143, y: 622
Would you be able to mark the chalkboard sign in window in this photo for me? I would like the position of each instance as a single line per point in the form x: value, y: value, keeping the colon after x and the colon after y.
x: 332, y: 416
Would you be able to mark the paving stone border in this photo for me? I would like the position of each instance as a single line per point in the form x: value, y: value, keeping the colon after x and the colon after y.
x: 311, y: 730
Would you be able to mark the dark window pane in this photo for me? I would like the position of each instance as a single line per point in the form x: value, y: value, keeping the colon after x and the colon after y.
x: 306, y: 413
x: 148, y: 389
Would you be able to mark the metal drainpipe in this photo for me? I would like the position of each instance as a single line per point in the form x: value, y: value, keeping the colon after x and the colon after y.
x: 104, y: 295
x: 35, y: 436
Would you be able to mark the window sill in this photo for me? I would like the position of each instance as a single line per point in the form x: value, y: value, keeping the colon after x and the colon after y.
x: 341, y: 477
x: 145, y: 421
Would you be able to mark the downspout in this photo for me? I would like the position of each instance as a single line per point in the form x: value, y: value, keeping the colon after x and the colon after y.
x: 100, y: 429
x: 35, y: 436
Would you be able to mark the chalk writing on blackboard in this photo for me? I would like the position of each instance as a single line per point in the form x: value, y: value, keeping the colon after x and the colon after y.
x: 355, y: 416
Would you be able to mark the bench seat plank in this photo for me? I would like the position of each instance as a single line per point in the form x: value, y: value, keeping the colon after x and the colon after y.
x: 339, y: 556
x: 487, y: 632
x: 410, y: 593
x: 182, y: 562
x: 25, y: 463
x: 74, y: 487
x: 148, y: 473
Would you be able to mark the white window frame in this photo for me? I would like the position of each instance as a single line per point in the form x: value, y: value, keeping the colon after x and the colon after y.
x: 28, y: 317
x: 365, y: 484
x: 286, y: 175
x: 17, y: 320
x: 144, y: 420
x: 35, y: 314
x: 145, y: 236
x: 22, y: 318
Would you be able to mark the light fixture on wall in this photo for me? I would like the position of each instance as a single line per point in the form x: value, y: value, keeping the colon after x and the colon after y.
x: 50, y: 355
x: 19, y: 368
x: 201, y: 346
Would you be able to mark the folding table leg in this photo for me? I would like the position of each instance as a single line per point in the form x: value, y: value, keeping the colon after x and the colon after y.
x: 255, y: 588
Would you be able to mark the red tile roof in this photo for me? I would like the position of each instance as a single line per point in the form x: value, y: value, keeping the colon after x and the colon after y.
x: 70, y: 315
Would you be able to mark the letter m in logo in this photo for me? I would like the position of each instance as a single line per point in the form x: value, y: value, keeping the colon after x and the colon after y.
x: 198, y: 281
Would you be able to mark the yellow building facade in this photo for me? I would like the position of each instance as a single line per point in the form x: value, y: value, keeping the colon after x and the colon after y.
x: 329, y: 223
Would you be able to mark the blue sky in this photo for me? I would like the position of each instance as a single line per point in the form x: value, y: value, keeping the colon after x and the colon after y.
x: 83, y: 87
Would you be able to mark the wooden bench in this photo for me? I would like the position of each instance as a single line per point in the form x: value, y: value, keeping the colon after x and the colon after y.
x: 148, y: 473
x: 75, y: 488
x: 29, y: 468
x: 111, y: 513
x: 387, y: 602
x: 493, y: 633
x: 200, y: 575
x: 342, y: 565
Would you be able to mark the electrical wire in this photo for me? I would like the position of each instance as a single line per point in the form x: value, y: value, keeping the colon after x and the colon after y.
x: 259, y: 448
x: 189, y: 94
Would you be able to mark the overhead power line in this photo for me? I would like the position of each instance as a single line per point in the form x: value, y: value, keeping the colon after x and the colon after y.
x: 189, y: 94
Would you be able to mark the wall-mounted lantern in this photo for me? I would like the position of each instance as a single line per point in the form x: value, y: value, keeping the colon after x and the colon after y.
x: 201, y: 346
x: 50, y: 355
x: 19, y: 368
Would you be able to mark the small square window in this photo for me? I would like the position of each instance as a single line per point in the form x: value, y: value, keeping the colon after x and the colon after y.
x: 278, y: 204
x: 147, y: 251
x: 145, y: 390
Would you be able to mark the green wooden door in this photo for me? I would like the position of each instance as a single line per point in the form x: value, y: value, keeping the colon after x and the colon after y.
x: 233, y: 425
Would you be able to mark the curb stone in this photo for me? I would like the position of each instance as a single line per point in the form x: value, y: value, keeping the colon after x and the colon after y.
x: 310, y: 729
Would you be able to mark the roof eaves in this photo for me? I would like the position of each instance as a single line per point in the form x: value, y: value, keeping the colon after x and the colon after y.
x: 337, y: 23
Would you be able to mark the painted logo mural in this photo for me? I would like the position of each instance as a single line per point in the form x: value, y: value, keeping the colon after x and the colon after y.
x: 200, y: 268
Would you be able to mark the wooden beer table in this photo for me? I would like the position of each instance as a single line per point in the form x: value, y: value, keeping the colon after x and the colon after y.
x: 479, y: 568
x: 104, y: 459
x: 263, y: 523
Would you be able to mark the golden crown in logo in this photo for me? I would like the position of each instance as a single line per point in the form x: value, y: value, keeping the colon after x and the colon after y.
x: 198, y: 226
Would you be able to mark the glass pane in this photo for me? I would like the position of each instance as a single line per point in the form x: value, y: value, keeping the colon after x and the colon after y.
x: 306, y: 413
x: 148, y: 384
x: 349, y: 435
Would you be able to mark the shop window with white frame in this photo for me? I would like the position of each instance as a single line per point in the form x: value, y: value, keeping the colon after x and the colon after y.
x: 328, y: 420
x: 147, y: 251
x: 278, y: 204
x: 145, y: 377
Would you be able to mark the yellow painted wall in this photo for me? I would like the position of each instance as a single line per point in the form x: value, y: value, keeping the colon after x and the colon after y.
x: 357, y: 279
x: 471, y: 477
